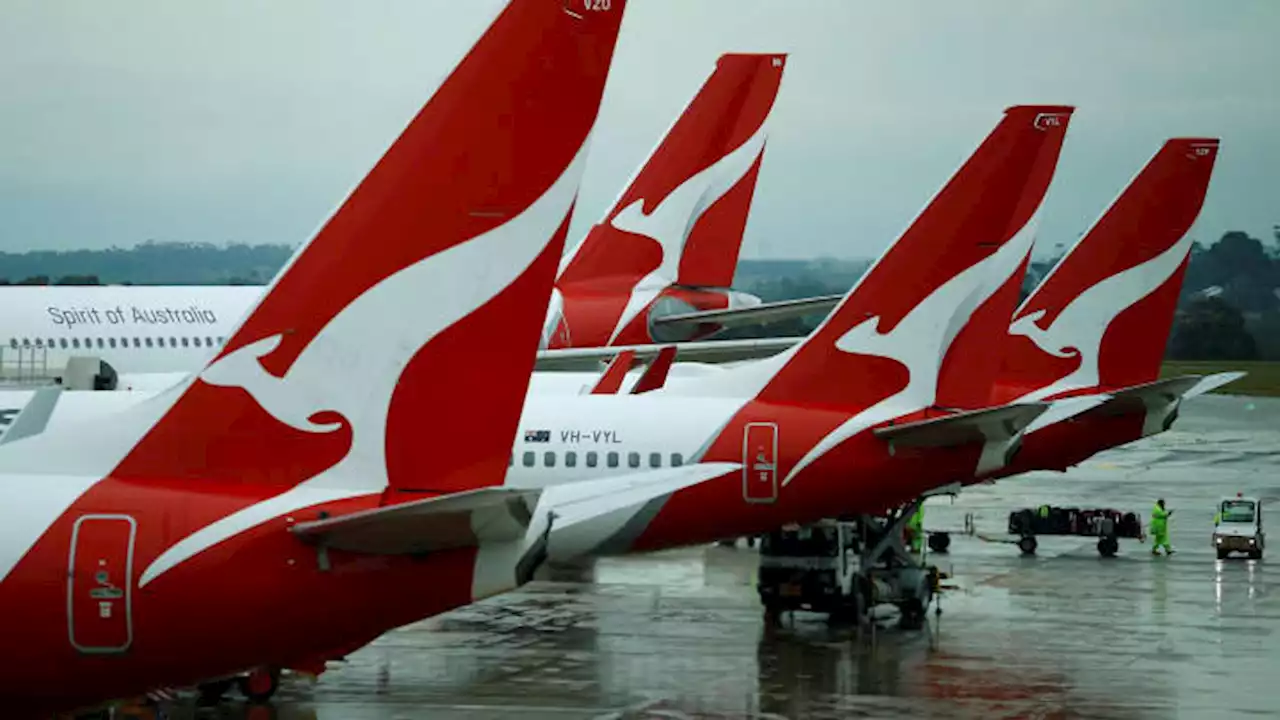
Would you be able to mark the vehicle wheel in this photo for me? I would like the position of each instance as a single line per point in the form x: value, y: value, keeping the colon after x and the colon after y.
x: 912, y: 617
x: 939, y: 542
x: 1223, y: 554
x: 211, y: 692
x: 1027, y: 545
x: 260, y: 685
x: 1108, y: 546
x: 1255, y: 554
x: 772, y: 614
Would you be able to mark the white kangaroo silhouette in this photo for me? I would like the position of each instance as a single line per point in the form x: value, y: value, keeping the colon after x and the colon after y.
x: 353, y: 364
x: 920, y: 340
x: 670, y: 223
x: 1078, y: 330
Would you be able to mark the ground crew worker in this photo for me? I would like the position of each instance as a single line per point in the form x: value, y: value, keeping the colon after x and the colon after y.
x: 916, y: 527
x: 1160, y: 528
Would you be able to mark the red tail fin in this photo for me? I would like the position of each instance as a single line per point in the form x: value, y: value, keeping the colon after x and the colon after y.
x: 366, y: 347
x: 888, y: 336
x: 683, y: 214
x: 1102, y: 317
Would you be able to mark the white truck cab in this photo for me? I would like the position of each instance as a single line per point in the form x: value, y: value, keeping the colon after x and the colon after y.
x: 1237, y: 527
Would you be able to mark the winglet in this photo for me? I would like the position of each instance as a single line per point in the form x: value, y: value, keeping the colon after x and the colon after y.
x: 35, y: 415
x: 655, y: 375
x: 611, y: 379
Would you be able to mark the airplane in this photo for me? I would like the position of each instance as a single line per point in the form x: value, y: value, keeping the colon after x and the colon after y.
x: 804, y: 429
x: 669, y: 245
x: 260, y: 512
x: 1096, y: 328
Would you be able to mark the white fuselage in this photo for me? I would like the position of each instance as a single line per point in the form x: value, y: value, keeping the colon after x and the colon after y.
x: 560, y: 439
x: 154, y: 336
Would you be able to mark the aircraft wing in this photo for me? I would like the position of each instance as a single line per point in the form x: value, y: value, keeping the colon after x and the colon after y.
x: 705, y: 351
x: 754, y: 315
x: 594, y: 516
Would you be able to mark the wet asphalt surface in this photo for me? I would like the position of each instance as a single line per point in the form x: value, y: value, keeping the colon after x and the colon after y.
x: 1063, y: 634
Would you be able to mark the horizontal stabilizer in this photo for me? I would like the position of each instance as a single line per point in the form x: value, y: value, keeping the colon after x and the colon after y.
x: 1209, y: 383
x: 998, y: 430
x: 35, y: 415
x: 755, y: 315
x: 1065, y: 409
x: 710, y: 351
x: 464, y: 519
x: 997, y: 423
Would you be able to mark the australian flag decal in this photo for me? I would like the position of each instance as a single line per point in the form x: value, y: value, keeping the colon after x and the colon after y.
x: 537, y: 436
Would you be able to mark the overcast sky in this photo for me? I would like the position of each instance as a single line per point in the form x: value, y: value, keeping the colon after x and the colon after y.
x: 250, y: 121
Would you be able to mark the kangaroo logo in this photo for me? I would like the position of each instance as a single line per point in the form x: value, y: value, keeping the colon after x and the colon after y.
x: 1078, y: 330
x: 671, y: 222
x: 351, y: 368
x: 919, y: 342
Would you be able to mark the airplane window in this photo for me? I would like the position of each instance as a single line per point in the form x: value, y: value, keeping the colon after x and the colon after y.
x: 591, y: 458
x: 633, y: 459
x: 39, y: 342
x: 137, y: 343
x: 511, y: 460
x: 26, y: 342
x: 571, y: 459
x: 613, y: 459
x: 111, y: 341
x: 208, y: 341
x: 52, y: 343
x: 100, y: 342
x: 173, y: 342
x: 124, y: 342
x: 13, y: 342
x: 221, y: 340
x: 147, y: 341
x: 549, y: 458
x: 528, y: 458
x: 676, y: 460
x: 75, y: 342
x: 62, y: 343
x: 184, y: 342
x: 655, y: 459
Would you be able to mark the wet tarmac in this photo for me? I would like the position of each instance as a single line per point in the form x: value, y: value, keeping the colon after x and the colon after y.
x: 1063, y: 634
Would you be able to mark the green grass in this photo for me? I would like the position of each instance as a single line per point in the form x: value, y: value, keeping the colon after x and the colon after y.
x: 1263, y: 378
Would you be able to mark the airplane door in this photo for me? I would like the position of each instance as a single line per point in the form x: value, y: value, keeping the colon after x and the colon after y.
x: 99, y: 579
x: 760, y: 463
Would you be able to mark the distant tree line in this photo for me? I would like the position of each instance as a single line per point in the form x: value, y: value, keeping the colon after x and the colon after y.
x: 1229, y: 308
x: 150, y: 263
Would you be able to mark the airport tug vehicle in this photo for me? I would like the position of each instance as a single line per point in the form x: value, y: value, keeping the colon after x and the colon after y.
x: 1237, y: 527
x: 844, y: 567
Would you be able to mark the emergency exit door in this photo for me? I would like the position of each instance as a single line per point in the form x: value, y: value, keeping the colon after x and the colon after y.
x: 760, y: 462
x: 99, y: 592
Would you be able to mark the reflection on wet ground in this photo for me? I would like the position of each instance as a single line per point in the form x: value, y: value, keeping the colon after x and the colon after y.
x: 1061, y: 635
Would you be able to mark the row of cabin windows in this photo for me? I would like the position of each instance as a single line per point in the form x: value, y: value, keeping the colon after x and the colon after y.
x: 591, y: 459
x: 103, y: 343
